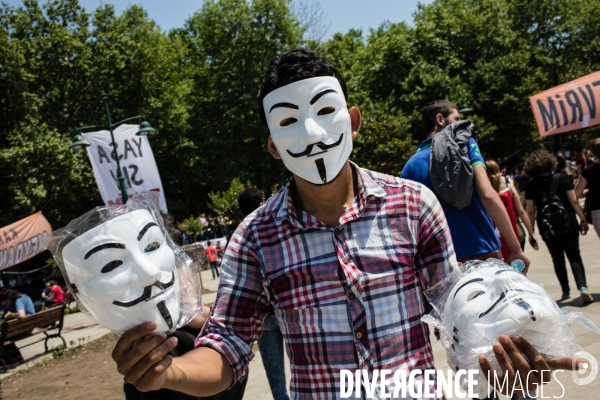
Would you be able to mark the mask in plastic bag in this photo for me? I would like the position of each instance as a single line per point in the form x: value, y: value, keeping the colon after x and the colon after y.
x: 483, y: 300
x: 123, y: 268
x: 489, y: 301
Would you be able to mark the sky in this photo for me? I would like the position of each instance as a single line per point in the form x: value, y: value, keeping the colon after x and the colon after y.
x: 343, y: 14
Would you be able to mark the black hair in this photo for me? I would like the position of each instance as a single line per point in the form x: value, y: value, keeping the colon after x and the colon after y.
x: 433, y: 108
x: 294, y: 66
x: 249, y: 200
x: 11, y: 294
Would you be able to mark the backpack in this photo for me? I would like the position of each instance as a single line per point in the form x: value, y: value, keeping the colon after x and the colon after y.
x: 555, y: 221
x: 450, y: 170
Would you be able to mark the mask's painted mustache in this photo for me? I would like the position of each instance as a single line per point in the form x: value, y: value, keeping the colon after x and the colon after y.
x: 147, y: 295
x: 320, y: 145
x: 502, y: 297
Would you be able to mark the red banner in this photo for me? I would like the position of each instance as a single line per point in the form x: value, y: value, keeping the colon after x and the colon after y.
x: 567, y: 107
x: 23, y: 239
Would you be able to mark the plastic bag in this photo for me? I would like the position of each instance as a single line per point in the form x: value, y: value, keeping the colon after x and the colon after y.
x: 123, y: 268
x: 484, y: 299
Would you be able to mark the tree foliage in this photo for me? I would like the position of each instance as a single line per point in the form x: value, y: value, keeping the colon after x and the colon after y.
x: 191, y: 226
x: 198, y: 86
x: 226, y: 202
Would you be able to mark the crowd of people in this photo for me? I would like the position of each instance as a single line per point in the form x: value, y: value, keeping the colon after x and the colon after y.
x: 549, y: 187
x: 212, y: 228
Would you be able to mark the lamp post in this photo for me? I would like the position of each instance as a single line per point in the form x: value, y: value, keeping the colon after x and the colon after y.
x: 79, y: 142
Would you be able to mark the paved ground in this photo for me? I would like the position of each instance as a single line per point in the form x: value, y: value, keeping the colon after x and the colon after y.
x: 79, y: 327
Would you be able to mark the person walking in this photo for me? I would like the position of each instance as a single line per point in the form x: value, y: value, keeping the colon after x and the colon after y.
x: 512, y: 202
x: 211, y: 255
x: 540, y: 167
x: 588, y: 186
x: 472, y: 228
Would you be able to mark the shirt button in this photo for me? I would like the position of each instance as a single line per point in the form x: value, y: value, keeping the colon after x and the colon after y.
x: 336, y: 231
x: 345, y: 260
x: 351, y: 296
x: 359, y: 335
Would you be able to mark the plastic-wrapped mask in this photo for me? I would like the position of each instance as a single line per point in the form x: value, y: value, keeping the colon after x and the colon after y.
x: 485, y: 299
x: 124, y: 272
x: 488, y: 302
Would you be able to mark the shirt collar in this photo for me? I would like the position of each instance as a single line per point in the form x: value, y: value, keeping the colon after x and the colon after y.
x: 425, y: 144
x: 367, y: 187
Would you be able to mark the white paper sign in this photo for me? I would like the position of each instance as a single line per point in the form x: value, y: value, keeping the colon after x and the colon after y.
x: 136, y: 159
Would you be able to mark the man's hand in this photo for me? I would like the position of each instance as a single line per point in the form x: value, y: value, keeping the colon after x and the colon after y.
x: 584, y: 227
x: 520, y: 256
x: 144, y: 359
x: 518, y: 355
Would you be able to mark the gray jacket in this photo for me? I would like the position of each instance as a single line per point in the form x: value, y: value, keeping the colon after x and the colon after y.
x: 450, y: 169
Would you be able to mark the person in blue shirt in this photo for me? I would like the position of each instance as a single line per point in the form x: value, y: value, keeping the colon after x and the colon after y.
x: 472, y: 228
x: 20, y: 305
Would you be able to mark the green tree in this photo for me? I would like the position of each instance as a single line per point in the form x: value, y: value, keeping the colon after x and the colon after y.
x: 228, y: 46
x: 55, y: 60
x: 226, y: 202
x: 191, y: 226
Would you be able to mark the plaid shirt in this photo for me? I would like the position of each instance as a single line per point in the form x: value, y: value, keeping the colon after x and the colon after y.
x: 348, y: 297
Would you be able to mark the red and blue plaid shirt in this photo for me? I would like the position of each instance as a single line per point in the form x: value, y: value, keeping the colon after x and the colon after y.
x: 348, y: 297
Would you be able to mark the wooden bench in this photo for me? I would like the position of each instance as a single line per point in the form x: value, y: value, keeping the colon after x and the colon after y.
x: 50, y: 320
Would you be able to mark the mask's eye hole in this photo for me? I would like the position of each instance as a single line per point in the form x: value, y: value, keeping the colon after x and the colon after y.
x: 288, y: 121
x: 110, y: 266
x: 326, y: 110
x: 474, y: 294
x: 151, y: 247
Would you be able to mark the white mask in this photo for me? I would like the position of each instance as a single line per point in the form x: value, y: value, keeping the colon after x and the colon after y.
x: 313, y: 140
x: 125, y: 273
x: 490, y: 301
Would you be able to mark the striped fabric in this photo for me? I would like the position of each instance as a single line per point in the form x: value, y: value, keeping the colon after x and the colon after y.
x: 348, y: 297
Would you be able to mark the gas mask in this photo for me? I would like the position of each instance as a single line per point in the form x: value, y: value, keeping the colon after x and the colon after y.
x: 310, y: 127
x: 124, y: 270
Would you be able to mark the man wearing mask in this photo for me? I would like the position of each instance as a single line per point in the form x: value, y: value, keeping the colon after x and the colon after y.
x: 342, y: 254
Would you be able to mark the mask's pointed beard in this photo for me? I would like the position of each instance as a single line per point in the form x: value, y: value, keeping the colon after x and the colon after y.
x: 164, y: 312
x: 526, y: 306
x: 322, y: 170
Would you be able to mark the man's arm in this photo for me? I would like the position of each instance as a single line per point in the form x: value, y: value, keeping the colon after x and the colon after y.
x: 20, y: 313
x: 493, y: 205
x: 145, y: 363
x: 521, y: 211
x: 12, y: 315
x: 580, y: 187
x: 531, y: 212
x: 222, y: 353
